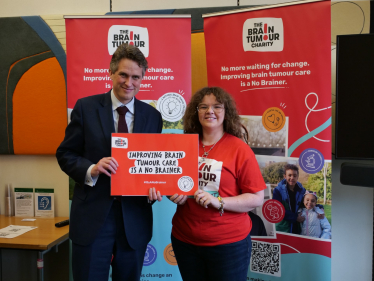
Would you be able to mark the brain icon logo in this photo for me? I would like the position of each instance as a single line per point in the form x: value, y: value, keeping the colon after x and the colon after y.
x: 273, y: 211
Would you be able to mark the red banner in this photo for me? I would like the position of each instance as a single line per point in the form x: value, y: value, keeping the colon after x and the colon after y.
x: 165, y: 42
x: 276, y: 63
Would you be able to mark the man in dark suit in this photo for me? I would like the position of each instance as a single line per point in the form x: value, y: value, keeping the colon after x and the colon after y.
x: 103, y: 226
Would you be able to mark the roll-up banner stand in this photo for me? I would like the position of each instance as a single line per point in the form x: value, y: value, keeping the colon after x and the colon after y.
x: 166, y: 43
x: 275, y: 61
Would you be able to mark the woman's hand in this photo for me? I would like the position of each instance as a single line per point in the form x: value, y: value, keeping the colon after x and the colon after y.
x: 178, y: 199
x: 153, y: 195
x: 205, y: 199
x: 242, y: 203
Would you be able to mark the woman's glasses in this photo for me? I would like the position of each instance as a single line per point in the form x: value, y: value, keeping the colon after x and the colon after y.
x: 217, y: 108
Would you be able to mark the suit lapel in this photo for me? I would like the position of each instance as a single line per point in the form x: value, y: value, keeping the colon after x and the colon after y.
x: 139, y: 120
x: 106, y: 117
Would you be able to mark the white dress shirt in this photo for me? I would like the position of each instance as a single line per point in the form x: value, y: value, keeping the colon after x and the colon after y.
x: 130, y: 116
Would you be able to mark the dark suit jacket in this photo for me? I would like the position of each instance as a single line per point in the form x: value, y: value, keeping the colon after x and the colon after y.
x: 87, y: 140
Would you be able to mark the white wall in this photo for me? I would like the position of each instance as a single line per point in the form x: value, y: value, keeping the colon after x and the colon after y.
x: 352, y: 224
x: 352, y: 210
x: 35, y: 172
x: 15, y: 8
x: 168, y: 4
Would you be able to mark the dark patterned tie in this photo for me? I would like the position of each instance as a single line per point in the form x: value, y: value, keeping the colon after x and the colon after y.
x: 122, y: 126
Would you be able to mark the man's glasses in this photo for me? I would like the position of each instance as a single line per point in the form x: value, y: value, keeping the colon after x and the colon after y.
x: 217, y: 108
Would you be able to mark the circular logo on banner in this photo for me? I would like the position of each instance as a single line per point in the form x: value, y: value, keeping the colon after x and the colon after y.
x: 185, y: 183
x: 172, y: 106
x: 150, y: 255
x: 311, y: 161
x: 273, y: 211
x: 169, y: 255
x: 273, y: 119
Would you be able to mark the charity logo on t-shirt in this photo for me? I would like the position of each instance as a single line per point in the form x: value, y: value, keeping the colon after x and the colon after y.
x: 210, y: 175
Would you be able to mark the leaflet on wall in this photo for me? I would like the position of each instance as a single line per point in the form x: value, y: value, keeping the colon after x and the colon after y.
x: 167, y: 162
x: 23, y: 202
x: 44, y: 202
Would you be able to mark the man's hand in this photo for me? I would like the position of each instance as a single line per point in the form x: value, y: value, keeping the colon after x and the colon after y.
x: 153, y: 195
x: 105, y: 166
x: 300, y: 218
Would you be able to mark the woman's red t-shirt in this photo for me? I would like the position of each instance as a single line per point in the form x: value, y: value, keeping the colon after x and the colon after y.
x: 230, y: 170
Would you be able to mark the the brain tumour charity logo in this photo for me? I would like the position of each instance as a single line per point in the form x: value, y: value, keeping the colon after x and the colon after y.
x: 263, y: 35
x: 118, y: 142
x: 273, y: 211
x: 172, y: 106
x: 133, y: 35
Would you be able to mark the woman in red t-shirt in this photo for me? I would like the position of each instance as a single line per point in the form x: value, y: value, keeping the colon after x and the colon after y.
x: 210, y: 234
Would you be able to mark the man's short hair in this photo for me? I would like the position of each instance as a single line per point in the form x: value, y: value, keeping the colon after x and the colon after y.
x: 291, y: 167
x: 126, y: 51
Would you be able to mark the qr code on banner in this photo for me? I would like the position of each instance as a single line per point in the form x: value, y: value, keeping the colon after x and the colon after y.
x: 266, y: 258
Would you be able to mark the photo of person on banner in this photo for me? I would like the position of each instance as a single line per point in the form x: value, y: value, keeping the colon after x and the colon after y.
x: 107, y: 230
x: 290, y: 193
x: 312, y: 225
x: 210, y: 234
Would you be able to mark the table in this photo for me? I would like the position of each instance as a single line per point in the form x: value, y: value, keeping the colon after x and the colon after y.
x: 43, y: 238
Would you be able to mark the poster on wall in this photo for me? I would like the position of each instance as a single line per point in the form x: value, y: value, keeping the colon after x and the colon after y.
x: 165, y: 41
x: 276, y: 65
